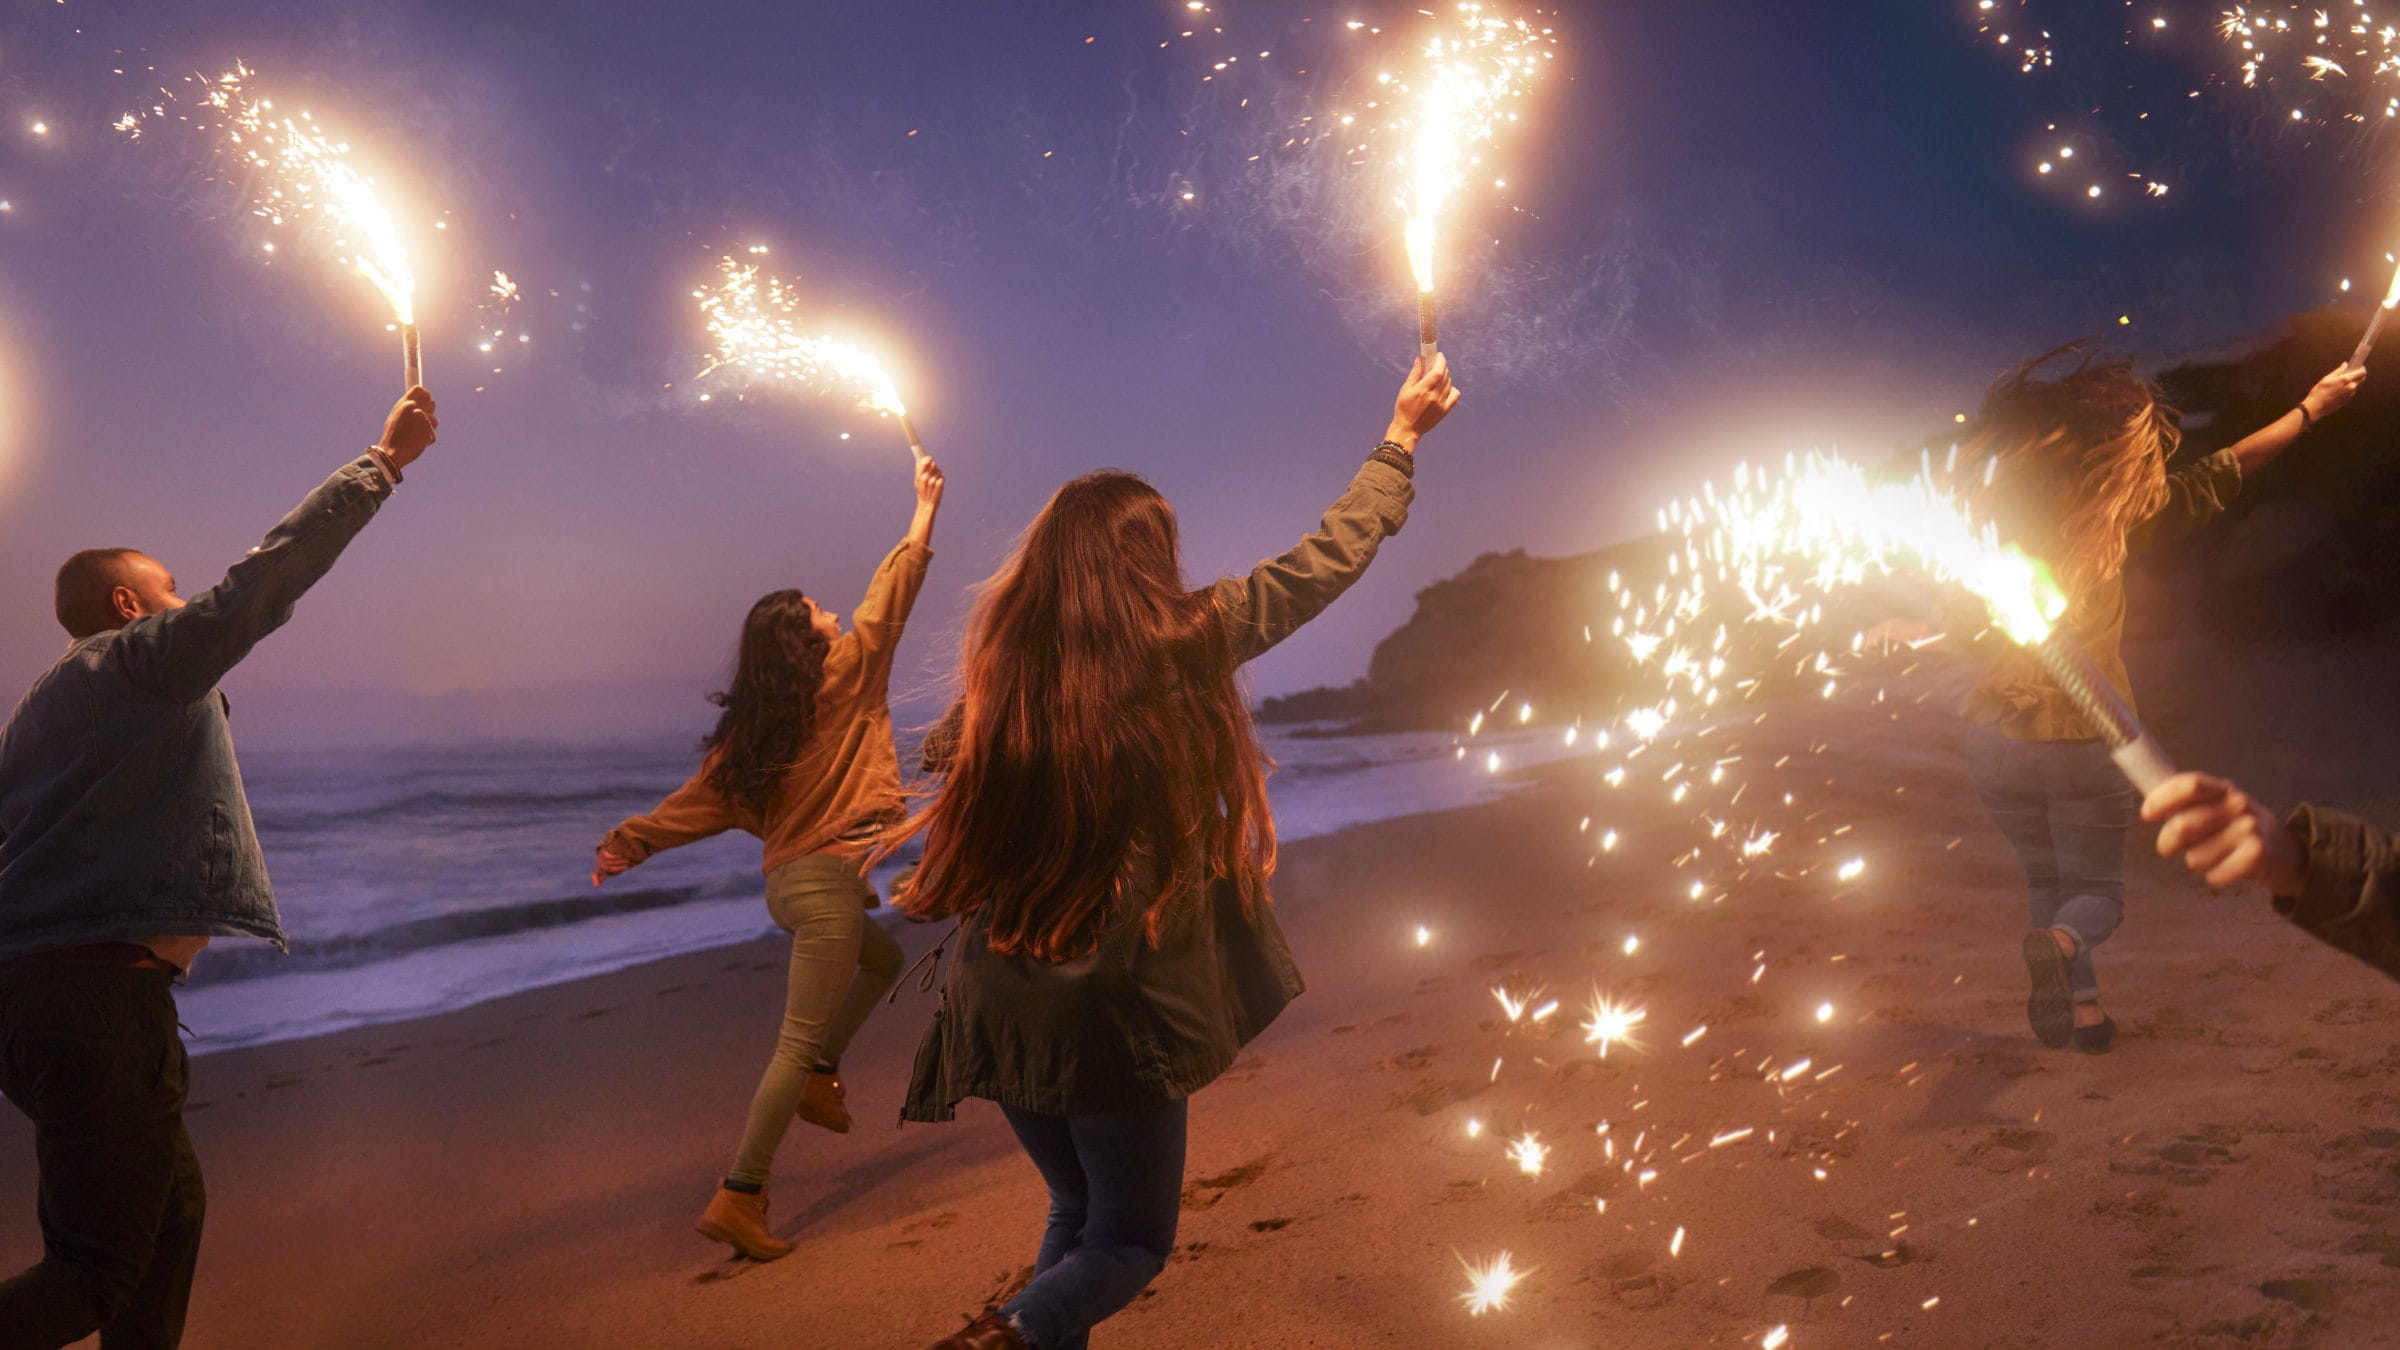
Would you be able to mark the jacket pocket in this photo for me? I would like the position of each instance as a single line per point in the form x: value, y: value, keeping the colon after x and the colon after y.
x: 216, y: 853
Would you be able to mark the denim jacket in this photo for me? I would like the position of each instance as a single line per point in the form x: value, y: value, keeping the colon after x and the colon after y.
x: 121, y: 807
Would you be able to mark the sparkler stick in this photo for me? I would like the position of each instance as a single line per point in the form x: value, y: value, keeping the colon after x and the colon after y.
x: 2366, y: 343
x: 2130, y: 744
x: 412, y: 358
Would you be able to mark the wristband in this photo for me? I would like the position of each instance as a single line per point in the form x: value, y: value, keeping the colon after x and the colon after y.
x: 2306, y: 421
x: 383, y: 461
x: 1389, y: 452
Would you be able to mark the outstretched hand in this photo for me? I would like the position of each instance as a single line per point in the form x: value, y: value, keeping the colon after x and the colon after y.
x: 409, y: 428
x: 2225, y: 836
x: 607, y: 864
x: 1426, y: 397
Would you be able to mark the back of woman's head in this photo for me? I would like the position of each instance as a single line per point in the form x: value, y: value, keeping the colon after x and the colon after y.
x: 2082, y: 460
x: 1104, y: 742
x: 771, y: 705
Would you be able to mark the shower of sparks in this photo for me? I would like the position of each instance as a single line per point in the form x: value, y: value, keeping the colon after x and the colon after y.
x: 1456, y: 104
x: 754, y: 321
x: 293, y: 173
x: 1528, y: 1153
x: 1488, y: 1285
x: 1611, y: 1023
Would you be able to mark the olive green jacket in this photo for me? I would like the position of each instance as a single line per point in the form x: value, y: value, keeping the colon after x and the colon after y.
x: 2352, y: 899
x: 1136, y: 1023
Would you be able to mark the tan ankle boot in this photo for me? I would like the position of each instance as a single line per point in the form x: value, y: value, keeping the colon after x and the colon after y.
x: 739, y: 1220
x: 822, y: 1103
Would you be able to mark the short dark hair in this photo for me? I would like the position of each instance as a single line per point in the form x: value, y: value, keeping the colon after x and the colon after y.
x: 85, y: 583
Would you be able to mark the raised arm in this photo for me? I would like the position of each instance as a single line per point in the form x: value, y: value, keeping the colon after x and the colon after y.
x: 690, y: 813
x: 181, y: 653
x: 1282, y: 593
x: 2256, y: 450
x: 892, y: 593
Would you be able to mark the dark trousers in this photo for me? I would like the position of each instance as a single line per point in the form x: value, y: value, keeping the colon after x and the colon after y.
x: 89, y: 1053
x: 2066, y: 809
x: 1116, y: 1190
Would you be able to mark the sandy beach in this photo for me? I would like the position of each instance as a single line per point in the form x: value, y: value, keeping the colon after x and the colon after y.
x: 524, y: 1173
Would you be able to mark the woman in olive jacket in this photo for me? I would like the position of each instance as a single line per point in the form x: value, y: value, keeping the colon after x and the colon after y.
x: 1103, y: 837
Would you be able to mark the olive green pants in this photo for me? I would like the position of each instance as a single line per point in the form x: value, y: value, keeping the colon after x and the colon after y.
x: 842, y: 962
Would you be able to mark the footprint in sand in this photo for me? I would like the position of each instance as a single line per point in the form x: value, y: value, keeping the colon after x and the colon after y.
x: 589, y: 1013
x: 1808, y: 1284
x: 1837, y: 1229
x: 2359, y: 1169
x: 1271, y: 1225
x: 2191, y: 1158
x: 1898, y: 1254
x: 1634, y: 1281
x: 1412, y: 1061
x: 1207, y: 1191
x: 1495, y: 960
x: 2010, y: 1148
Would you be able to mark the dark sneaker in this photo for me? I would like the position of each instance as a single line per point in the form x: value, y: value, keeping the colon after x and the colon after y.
x: 2051, y: 1006
x: 2095, y: 1040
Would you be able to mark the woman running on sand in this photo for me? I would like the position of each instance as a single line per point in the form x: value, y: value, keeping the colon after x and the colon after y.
x: 2082, y: 482
x: 802, y: 757
x: 1104, y: 838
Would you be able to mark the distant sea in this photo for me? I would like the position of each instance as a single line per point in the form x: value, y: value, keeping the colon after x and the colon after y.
x: 417, y: 881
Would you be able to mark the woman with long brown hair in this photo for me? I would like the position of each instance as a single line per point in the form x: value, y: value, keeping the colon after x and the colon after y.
x: 2080, y: 480
x: 802, y: 757
x: 1104, y: 840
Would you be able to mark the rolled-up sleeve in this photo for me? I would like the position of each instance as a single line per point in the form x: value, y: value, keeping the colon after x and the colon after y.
x: 2353, y: 887
x: 1276, y: 597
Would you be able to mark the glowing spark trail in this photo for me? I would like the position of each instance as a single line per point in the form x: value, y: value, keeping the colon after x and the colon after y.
x: 295, y: 171
x: 1459, y: 100
x: 755, y: 324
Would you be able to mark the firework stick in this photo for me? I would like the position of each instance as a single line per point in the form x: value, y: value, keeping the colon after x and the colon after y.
x: 2366, y: 343
x: 1425, y: 343
x: 412, y: 358
x: 2130, y: 744
x: 915, y: 446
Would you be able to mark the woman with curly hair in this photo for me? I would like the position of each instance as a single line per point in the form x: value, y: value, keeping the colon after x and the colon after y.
x: 802, y: 757
x: 2080, y: 480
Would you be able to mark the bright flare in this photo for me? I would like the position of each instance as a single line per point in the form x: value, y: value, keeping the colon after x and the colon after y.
x: 1488, y: 1285
x: 755, y: 324
x: 1611, y: 1023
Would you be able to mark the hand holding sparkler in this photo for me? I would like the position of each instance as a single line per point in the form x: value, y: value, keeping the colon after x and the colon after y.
x: 1426, y: 397
x: 2334, y: 392
x: 929, y: 499
x: 2224, y: 835
x: 409, y: 429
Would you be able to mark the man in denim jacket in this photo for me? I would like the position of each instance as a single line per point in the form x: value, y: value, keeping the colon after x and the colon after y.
x: 125, y: 846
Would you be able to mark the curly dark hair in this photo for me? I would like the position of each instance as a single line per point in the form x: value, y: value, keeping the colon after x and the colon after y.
x: 771, y: 708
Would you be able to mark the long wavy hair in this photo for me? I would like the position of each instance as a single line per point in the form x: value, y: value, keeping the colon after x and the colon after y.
x: 771, y: 706
x: 1103, y: 742
x: 2082, y: 460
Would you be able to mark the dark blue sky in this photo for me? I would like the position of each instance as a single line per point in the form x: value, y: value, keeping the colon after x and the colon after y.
x: 1733, y: 229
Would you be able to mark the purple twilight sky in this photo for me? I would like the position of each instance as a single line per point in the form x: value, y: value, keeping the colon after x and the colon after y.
x: 1731, y: 229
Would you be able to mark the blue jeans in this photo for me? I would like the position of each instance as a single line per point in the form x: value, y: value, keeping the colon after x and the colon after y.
x: 1116, y: 1190
x: 2066, y: 809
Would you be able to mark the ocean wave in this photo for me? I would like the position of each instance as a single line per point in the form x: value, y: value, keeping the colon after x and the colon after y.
x: 278, y: 817
x: 243, y: 961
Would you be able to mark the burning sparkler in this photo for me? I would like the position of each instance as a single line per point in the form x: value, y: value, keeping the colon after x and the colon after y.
x: 755, y: 323
x: 2366, y: 343
x: 1462, y: 96
x: 296, y: 172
